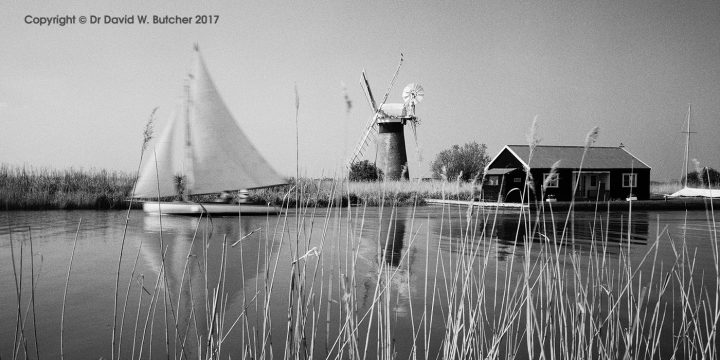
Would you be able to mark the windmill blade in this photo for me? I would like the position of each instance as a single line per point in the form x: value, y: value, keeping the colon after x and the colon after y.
x: 418, y: 153
x: 362, y: 145
x: 368, y: 93
x: 371, y: 125
x: 392, y: 82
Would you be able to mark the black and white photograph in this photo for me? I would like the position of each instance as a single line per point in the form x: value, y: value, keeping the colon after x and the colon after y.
x: 472, y: 179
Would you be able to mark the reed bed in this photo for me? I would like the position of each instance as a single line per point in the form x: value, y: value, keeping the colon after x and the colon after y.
x: 27, y: 188
x: 46, y: 189
x: 664, y: 188
x: 548, y: 300
x: 337, y: 192
x: 318, y: 294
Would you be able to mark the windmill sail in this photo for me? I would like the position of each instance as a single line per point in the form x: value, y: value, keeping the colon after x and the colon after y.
x: 215, y: 156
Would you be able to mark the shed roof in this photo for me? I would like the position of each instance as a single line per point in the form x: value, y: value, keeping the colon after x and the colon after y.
x: 499, y: 171
x: 570, y: 157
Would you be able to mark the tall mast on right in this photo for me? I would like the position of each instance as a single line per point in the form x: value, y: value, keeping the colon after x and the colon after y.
x: 687, y: 143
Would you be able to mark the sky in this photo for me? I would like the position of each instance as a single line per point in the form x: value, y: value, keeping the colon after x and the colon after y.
x: 78, y: 96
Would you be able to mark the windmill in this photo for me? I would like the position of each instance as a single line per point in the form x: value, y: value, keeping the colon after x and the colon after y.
x: 386, y: 127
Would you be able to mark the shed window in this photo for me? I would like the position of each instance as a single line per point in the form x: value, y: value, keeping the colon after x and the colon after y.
x: 517, y: 179
x: 493, y: 180
x: 553, y: 182
x: 629, y: 180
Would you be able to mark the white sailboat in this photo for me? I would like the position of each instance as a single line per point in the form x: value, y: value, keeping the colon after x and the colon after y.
x: 202, y: 150
x: 687, y: 191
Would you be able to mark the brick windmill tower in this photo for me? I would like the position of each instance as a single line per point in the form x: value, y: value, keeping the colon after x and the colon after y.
x: 386, y: 127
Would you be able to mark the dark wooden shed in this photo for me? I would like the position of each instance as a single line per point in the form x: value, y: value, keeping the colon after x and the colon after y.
x: 605, y: 173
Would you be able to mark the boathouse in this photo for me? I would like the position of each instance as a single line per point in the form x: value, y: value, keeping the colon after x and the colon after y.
x: 605, y: 173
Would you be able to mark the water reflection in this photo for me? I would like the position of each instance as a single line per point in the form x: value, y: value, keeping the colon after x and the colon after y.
x: 388, y: 260
x: 199, y: 257
x: 410, y: 254
x: 582, y: 231
x: 392, y: 232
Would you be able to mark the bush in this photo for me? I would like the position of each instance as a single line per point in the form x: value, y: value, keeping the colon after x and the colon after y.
x: 468, y: 160
x: 698, y: 180
x: 365, y: 171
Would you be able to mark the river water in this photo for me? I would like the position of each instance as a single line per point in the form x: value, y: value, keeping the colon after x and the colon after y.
x: 398, y: 262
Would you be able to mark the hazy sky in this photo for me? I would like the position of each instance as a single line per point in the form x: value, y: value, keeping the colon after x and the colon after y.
x: 79, y: 95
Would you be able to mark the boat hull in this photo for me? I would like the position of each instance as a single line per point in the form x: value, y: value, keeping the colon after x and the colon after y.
x: 216, y: 209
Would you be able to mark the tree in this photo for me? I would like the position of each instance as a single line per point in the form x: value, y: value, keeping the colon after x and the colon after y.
x: 707, y: 173
x: 469, y: 159
x: 365, y: 171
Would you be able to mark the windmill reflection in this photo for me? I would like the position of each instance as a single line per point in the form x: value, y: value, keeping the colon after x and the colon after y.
x: 392, y: 232
x: 389, y: 261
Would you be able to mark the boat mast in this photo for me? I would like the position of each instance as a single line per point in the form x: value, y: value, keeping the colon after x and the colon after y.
x: 687, y: 143
x: 188, y: 163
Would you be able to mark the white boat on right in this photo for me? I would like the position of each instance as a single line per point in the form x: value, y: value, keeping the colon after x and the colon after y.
x: 687, y: 191
x: 696, y: 192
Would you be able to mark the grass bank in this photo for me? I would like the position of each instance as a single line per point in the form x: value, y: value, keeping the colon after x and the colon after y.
x: 664, y: 188
x: 324, y: 192
x: 23, y: 188
x: 46, y: 189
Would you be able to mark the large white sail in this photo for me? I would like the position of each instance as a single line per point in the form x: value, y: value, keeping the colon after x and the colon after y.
x: 224, y: 158
x: 221, y: 156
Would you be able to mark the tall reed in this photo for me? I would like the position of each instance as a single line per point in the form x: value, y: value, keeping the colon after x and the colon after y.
x: 328, y: 286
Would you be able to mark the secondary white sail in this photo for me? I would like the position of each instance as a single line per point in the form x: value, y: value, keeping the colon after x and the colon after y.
x: 168, y: 150
x: 216, y: 156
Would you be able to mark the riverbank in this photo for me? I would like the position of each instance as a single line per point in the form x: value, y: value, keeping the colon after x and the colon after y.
x: 27, y: 188
x: 46, y: 189
x: 24, y: 188
x: 333, y: 192
x: 666, y: 204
